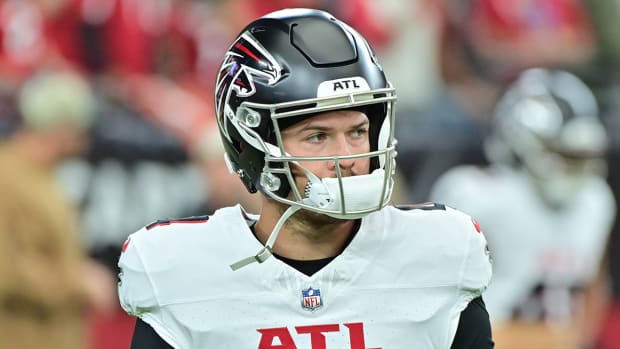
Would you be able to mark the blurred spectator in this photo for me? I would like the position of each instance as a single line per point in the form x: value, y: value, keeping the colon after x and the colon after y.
x: 505, y: 37
x: 37, y: 33
x: 46, y: 283
x: 546, y: 209
x: 174, y: 39
x: 135, y: 170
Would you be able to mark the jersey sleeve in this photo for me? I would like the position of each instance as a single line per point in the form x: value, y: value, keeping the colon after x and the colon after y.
x: 135, y: 290
x: 455, y: 189
x: 476, y: 269
x: 474, y: 264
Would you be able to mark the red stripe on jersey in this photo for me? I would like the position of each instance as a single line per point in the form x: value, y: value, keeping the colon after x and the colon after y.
x: 125, y: 245
x: 476, y: 225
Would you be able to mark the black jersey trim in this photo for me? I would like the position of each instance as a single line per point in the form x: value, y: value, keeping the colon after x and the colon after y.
x: 192, y: 219
x: 426, y: 206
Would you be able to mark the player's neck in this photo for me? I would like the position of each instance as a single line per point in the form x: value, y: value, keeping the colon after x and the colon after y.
x: 305, y: 235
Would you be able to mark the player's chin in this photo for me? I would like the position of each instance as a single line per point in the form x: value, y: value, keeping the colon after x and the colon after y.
x: 316, y: 217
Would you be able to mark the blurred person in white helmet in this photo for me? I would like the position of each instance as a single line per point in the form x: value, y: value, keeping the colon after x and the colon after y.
x: 546, y: 208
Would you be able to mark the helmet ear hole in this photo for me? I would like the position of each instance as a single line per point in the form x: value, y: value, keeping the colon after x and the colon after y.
x: 251, y: 165
x: 284, y: 188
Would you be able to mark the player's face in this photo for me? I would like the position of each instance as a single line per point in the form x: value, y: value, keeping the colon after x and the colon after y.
x: 334, y: 133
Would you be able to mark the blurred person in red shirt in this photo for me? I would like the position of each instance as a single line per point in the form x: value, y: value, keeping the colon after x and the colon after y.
x: 36, y: 33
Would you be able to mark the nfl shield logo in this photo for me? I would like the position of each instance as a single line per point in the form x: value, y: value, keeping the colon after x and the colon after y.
x: 311, y: 299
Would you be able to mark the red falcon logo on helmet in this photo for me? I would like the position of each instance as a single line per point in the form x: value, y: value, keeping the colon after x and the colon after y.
x: 245, y: 62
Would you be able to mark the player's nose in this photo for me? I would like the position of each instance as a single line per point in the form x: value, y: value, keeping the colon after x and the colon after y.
x: 342, y: 147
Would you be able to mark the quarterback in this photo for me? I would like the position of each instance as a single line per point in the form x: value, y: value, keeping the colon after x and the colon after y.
x: 306, y: 116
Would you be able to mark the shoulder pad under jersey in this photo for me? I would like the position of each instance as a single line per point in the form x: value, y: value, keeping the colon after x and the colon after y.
x: 136, y: 292
x: 476, y: 267
x: 454, y: 236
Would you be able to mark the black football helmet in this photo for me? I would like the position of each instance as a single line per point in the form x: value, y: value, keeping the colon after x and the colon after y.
x: 283, y: 68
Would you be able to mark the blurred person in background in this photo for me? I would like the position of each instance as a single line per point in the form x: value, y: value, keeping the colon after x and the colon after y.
x: 35, y: 34
x: 46, y: 283
x: 546, y: 208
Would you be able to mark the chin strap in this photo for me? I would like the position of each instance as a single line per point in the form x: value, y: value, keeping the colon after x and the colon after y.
x: 265, y: 252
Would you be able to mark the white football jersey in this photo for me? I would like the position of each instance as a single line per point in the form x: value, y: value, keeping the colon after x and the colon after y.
x: 401, y: 283
x: 541, y: 254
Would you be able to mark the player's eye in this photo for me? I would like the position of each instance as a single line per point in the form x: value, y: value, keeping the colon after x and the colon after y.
x: 359, y: 132
x: 316, y: 137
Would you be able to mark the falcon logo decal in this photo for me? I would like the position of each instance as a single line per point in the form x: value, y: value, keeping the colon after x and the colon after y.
x: 245, y: 62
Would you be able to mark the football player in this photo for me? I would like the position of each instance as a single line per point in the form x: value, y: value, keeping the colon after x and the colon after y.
x: 545, y: 206
x: 307, y: 119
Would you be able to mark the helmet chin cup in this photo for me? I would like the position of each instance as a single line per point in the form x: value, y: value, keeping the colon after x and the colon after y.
x: 348, y: 197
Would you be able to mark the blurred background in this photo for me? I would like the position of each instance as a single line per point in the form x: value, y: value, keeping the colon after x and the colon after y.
x: 106, y: 124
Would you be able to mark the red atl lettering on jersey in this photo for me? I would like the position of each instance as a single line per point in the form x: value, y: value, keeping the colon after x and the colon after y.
x: 280, y: 337
x: 316, y: 333
x: 281, y: 333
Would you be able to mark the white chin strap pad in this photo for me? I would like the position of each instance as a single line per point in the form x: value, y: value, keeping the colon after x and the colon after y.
x: 359, y: 193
